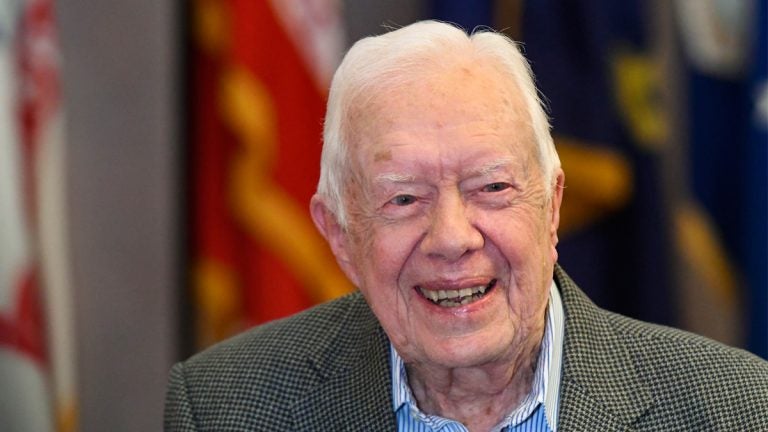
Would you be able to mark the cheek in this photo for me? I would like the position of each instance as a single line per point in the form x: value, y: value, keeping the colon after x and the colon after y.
x: 391, y: 247
x: 381, y: 252
x: 524, y: 246
x: 384, y: 264
x: 514, y: 233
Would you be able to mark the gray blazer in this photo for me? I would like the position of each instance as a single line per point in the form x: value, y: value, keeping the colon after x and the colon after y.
x: 327, y: 369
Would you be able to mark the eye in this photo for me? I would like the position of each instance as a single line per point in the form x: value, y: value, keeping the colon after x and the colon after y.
x: 496, y: 187
x: 403, y: 200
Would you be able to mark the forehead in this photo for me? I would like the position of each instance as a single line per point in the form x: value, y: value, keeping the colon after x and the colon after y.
x: 460, y: 88
x: 462, y: 102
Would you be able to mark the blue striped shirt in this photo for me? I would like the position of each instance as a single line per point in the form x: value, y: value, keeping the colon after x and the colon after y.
x: 538, y: 410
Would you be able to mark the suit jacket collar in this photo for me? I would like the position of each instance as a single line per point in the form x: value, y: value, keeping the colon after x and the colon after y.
x: 601, y: 388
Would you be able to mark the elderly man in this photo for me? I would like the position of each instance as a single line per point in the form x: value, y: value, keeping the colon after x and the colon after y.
x: 439, y: 195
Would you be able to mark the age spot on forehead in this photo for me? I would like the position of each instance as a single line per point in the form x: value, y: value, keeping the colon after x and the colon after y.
x: 383, y: 156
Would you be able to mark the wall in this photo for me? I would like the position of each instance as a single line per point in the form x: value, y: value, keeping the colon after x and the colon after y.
x: 120, y: 96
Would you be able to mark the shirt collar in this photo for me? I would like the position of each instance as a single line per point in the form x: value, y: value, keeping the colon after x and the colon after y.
x: 546, y: 381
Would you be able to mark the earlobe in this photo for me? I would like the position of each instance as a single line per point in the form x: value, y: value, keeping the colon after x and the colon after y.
x: 326, y: 222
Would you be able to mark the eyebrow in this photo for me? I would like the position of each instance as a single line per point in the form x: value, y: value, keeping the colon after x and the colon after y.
x: 491, y: 167
x: 488, y: 168
x: 394, y: 178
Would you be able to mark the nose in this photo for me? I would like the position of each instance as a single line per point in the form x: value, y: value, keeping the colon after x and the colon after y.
x: 451, y: 233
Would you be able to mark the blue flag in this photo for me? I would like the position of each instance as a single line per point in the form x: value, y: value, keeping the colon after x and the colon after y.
x: 592, y: 62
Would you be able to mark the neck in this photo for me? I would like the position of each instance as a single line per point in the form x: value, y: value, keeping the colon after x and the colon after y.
x: 478, y: 397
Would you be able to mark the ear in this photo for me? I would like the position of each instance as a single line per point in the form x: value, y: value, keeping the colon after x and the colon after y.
x: 326, y: 222
x: 556, y: 201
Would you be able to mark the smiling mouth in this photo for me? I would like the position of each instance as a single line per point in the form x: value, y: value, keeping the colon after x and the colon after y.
x: 454, y: 298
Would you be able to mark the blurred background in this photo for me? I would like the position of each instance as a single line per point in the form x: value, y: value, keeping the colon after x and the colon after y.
x: 157, y: 159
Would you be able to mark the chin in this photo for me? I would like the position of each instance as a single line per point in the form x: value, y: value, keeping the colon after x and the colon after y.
x: 467, y: 353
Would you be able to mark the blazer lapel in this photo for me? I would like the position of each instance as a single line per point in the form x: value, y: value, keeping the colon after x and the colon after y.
x: 600, y: 387
x: 355, y: 392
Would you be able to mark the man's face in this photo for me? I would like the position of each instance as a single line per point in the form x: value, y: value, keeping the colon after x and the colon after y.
x: 451, y: 236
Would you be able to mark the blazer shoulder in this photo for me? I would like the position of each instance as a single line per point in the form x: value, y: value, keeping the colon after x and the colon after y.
x: 649, y: 343
x: 689, y: 352
x: 644, y: 335
x: 254, y: 379
x: 285, y: 341
x: 721, y: 386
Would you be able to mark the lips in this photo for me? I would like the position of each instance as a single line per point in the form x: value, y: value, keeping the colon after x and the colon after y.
x: 456, y: 297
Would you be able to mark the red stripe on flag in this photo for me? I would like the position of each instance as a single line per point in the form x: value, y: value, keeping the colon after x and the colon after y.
x: 23, y: 328
x: 256, y: 41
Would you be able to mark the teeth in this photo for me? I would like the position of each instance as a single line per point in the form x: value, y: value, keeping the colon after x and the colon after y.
x: 453, y: 298
x: 432, y: 295
x: 447, y: 294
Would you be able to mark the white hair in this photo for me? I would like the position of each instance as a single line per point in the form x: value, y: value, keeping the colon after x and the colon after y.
x: 375, y: 64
